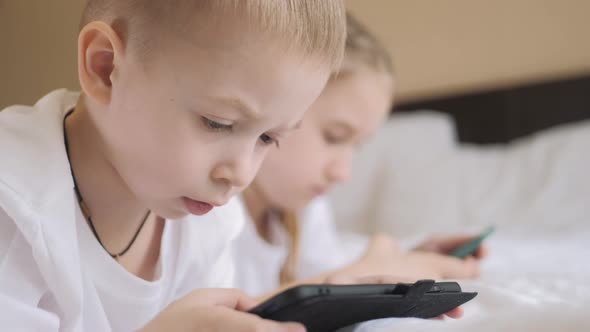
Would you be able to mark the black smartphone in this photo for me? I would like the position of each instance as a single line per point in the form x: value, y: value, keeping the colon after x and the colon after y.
x: 330, y: 307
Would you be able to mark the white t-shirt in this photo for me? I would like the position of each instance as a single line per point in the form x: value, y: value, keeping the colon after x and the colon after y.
x: 54, y: 275
x: 323, y: 248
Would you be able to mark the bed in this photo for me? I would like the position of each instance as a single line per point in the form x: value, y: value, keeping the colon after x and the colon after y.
x: 434, y: 172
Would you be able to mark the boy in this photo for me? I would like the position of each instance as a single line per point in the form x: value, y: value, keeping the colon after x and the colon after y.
x: 100, y: 192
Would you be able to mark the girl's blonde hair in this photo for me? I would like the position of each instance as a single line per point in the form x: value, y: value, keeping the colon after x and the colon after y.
x: 363, y: 50
x: 312, y: 28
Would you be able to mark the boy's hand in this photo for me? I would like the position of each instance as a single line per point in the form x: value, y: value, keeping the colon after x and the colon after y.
x: 442, y: 244
x: 215, y: 310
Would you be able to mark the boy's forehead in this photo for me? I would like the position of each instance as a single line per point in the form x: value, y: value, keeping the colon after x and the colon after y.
x: 243, y: 78
x: 206, y: 54
x: 215, y: 56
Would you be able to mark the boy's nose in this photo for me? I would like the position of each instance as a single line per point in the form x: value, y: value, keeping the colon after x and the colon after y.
x: 237, y: 173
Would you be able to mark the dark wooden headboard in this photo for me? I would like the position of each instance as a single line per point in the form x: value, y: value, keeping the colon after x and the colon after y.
x: 502, y: 115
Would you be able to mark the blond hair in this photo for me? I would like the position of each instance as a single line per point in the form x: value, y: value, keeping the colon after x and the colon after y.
x: 363, y: 50
x: 315, y: 28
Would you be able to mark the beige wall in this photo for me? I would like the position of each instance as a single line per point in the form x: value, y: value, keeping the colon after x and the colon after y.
x: 38, y: 48
x: 444, y: 46
x: 440, y: 46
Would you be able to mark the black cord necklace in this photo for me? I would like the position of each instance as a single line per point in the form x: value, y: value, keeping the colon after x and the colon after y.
x: 84, y: 207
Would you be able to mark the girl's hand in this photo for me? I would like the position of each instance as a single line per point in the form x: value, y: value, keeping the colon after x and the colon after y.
x: 384, y: 257
x: 215, y: 310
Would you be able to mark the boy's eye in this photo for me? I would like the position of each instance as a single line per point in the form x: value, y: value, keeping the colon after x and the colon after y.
x: 266, y: 139
x: 214, y: 125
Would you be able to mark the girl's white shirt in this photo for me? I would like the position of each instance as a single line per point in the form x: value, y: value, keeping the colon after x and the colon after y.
x: 323, y: 248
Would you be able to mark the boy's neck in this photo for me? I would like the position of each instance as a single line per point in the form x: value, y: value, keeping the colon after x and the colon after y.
x: 116, y: 213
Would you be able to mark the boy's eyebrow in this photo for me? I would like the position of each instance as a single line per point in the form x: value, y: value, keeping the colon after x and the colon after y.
x: 238, y: 104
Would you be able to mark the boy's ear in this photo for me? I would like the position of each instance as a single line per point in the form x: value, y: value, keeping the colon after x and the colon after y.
x: 99, y: 48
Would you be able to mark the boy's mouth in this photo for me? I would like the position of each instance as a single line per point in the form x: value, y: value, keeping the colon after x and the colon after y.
x: 196, y: 207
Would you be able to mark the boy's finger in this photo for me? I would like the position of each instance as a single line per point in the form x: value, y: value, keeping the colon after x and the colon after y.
x: 227, y: 297
x: 340, y: 280
x: 385, y: 279
x: 455, y: 313
x: 378, y: 279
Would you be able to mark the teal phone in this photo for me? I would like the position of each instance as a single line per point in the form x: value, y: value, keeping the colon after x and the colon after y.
x: 470, y: 247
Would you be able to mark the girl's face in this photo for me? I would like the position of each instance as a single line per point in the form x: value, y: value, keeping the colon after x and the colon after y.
x: 318, y: 154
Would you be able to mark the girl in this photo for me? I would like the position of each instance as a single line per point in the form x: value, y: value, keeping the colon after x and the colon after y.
x: 291, y: 236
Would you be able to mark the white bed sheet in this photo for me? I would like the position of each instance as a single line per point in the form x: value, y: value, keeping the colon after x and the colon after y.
x: 538, y: 282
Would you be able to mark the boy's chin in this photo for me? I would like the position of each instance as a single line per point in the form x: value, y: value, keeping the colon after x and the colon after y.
x: 169, y: 213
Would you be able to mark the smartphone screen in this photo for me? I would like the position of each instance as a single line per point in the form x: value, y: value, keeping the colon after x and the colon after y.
x: 470, y: 247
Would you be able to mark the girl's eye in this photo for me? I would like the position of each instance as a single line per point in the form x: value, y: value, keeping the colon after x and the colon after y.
x: 266, y: 140
x: 214, y: 125
x: 331, y: 138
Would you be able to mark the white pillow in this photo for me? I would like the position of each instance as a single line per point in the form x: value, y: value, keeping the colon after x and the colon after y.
x: 414, y: 178
x: 396, y: 180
